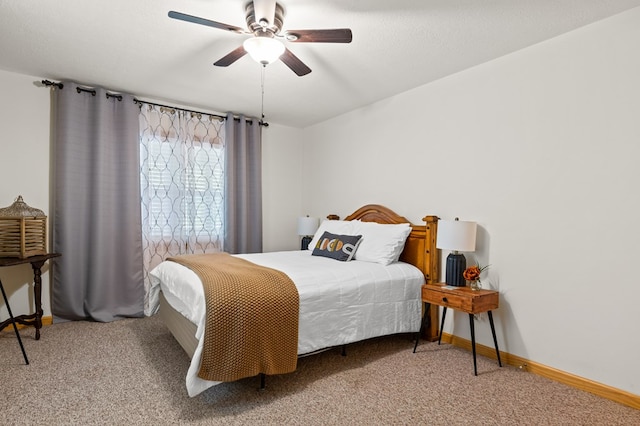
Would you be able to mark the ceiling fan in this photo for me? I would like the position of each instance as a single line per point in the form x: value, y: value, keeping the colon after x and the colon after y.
x: 264, y: 21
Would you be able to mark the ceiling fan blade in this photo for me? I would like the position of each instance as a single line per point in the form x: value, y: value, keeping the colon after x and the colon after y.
x: 295, y: 64
x: 264, y: 9
x: 230, y: 58
x: 338, y: 35
x: 206, y: 22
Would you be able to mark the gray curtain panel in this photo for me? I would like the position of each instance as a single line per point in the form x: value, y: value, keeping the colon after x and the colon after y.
x: 96, y: 206
x: 243, y: 185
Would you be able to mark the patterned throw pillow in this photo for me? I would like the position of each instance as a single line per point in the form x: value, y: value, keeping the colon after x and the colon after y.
x: 339, y: 247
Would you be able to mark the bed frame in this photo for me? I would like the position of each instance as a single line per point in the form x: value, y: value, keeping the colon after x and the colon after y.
x: 419, y: 250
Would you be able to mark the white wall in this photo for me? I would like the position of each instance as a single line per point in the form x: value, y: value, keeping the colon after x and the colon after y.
x: 540, y: 148
x: 24, y: 170
x: 281, y: 203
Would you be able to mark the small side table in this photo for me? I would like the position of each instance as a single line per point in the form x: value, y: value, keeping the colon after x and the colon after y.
x: 37, y: 262
x: 466, y: 300
x: 12, y: 320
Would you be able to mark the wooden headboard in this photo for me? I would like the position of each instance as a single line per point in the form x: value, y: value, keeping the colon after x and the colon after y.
x: 420, y: 248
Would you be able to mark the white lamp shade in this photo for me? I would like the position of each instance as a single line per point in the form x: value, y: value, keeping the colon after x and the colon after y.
x: 308, y: 226
x: 263, y: 49
x: 456, y: 235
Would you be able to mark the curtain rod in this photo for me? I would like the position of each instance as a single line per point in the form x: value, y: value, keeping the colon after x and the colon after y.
x: 51, y: 83
x: 249, y: 120
x: 138, y: 101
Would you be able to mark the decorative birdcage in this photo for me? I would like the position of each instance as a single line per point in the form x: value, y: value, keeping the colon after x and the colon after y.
x: 23, y: 230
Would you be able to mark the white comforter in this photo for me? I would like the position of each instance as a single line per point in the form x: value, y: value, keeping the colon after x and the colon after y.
x: 340, y: 302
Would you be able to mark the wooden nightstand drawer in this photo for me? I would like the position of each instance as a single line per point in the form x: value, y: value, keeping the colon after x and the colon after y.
x: 446, y: 299
x: 461, y: 298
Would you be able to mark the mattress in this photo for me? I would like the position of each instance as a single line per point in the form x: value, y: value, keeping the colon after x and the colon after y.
x: 340, y: 302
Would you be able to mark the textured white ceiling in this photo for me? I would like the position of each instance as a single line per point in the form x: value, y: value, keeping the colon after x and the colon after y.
x: 132, y: 46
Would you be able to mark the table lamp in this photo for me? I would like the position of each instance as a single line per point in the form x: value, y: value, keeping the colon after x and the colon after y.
x: 457, y: 236
x: 307, y: 226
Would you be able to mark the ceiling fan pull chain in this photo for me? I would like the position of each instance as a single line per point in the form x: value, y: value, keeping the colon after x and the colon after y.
x: 262, y: 74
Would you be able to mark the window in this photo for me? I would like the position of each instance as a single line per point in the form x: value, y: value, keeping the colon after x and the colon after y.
x: 185, y: 188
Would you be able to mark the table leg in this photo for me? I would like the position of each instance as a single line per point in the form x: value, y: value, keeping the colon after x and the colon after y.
x: 444, y: 315
x: 473, y: 343
x: 37, y: 294
x: 495, y: 341
x: 13, y: 321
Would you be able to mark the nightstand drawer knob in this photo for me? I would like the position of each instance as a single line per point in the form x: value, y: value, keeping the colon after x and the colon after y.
x: 444, y: 299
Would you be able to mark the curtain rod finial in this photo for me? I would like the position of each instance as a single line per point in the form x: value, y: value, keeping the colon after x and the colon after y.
x: 51, y: 83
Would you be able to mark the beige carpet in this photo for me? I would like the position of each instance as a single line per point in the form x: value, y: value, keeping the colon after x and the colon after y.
x: 132, y: 372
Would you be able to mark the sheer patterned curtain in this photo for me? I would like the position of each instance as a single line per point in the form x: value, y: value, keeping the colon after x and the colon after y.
x: 96, y: 213
x: 182, y: 174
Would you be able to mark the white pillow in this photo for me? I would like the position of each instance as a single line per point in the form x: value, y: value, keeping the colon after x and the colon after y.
x: 381, y: 243
x: 338, y: 227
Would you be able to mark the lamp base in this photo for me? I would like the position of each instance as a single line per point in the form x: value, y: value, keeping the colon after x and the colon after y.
x: 305, y: 243
x: 456, y: 264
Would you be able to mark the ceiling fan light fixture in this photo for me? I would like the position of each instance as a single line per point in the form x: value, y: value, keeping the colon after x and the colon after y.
x: 263, y: 50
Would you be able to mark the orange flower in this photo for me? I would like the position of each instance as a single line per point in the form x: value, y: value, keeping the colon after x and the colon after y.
x: 472, y: 273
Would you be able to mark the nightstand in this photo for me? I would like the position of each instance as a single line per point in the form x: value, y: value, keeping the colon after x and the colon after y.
x: 466, y: 300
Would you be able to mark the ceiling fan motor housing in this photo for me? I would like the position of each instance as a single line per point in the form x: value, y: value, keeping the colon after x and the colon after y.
x: 256, y: 28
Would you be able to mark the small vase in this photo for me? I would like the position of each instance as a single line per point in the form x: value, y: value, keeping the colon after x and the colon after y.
x: 475, y: 285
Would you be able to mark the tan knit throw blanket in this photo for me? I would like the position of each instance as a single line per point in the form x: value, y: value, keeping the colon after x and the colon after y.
x: 252, y: 317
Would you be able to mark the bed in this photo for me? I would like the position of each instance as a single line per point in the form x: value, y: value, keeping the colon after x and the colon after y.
x: 339, y: 302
